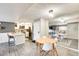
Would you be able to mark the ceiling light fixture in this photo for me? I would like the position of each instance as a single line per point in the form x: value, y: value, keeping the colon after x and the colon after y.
x: 50, y: 13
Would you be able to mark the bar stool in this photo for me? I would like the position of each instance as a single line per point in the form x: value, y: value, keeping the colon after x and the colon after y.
x: 11, y: 40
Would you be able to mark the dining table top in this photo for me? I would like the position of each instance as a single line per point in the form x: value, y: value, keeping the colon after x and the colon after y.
x: 46, y: 40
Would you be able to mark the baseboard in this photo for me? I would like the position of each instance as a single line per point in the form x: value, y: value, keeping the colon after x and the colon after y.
x: 33, y: 41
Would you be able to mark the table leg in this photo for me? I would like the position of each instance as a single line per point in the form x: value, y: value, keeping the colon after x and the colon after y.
x: 38, y: 48
x: 55, y: 50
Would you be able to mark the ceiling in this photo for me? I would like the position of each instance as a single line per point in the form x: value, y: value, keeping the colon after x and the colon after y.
x: 28, y: 12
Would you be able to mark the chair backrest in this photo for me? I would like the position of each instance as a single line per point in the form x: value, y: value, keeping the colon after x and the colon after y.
x: 47, y: 47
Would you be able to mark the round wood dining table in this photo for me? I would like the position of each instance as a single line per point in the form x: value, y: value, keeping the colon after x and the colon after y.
x: 42, y: 41
x: 46, y: 40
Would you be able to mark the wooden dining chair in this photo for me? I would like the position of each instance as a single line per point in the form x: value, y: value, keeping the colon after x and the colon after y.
x: 46, y: 48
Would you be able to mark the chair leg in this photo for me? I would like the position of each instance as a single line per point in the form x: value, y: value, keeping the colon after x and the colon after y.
x: 9, y: 42
x: 46, y: 53
x: 42, y: 53
x: 55, y: 52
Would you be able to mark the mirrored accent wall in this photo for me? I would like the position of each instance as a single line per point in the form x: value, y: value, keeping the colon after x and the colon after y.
x: 72, y: 30
x: 7, y: 27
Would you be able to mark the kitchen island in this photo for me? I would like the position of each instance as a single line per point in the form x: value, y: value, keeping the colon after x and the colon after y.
x: 19, y: 38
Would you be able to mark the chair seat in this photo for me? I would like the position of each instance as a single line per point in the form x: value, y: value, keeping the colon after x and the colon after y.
x: 47, y: 47
x: 11, y: 41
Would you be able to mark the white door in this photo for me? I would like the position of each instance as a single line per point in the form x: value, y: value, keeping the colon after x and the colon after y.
x: 36, y: 30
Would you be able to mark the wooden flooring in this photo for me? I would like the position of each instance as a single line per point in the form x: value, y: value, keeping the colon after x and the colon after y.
x: 29, y: 49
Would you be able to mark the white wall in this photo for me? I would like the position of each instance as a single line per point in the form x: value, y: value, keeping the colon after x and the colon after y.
x: 78, y: 35
x: 36, y: 29
x: 57, y: 23
x: 40, y: 28
x: 44, y: 27
x: 72, y: 20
